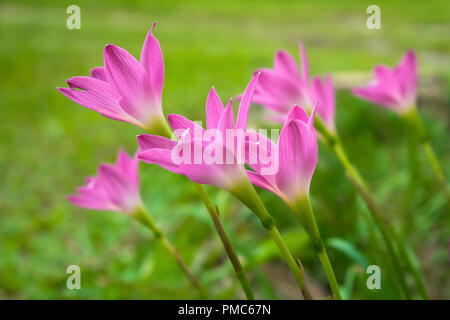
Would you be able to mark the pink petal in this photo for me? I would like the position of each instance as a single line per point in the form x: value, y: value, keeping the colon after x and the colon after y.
x: 126, y: 76
x: 99, y: 73
x: 304, y: 63
x: 297, y: 113
x: 128, y: 166
x: 260, y: 181
x: 279, y: 89
x: 226, y: 120
x: 275, y: 117
x: 375, y: 95
x: 408, y: 75
x: 148, y: 141
x: 298, y: 158
x: 214, y: 109
x: 384, y: 75
x: 91, y: 203
x: 270, y: 101
x: 262, y: 149
x: 115, y: 185
x: 92, y: 193
x: 179, y: 123
x: 286, y: 65
x: 161, y: 157
x: 204, y: 174
x: 96, y: 95
x: 323, y: 93
x: 244, y: 106
x: 153, y: 63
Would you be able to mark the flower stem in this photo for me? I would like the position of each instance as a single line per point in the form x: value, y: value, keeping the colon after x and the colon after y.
x: 247, y: 194
x: 214, y: 214
x: 333, y: 141
x: 144, y: 217
x: 423, y: 138
x: 412, y: 264
x: 365, y: 193
x: 238, y: 269
x: 160, y: 127
x: 438, y: 172
x: 303, y: 211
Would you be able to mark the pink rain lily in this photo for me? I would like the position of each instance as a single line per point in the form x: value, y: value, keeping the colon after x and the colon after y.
x: 282, y: 87
x: 115, y: 188
x: 297, y: 158
x: 395, y: 89
x: 124, y: 89
x: 224, y: 170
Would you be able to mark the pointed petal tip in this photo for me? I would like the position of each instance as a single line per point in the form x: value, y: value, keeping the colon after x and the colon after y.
x: 141, y: 137
x: 171, y: 116
x: 212, y: 91
x: 111, y: 49
x: 151, y: 29
x: 72, y: 198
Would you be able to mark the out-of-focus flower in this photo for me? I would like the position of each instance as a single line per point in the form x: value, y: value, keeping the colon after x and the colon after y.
x: 322, y: 93
x: 282, y: 87
x: 125, y: 89
x: 395, y: 89
x: 115, y: 188
x: 297, y: 158
x: 205, y: 156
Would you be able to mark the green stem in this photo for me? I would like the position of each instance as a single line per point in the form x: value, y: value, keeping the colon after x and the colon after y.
x: 238, y: 269
x: 438, y: 172
x: 144, y: 217
x: 366, y: 194
x: 423, y: 138
x: 303, y: 211
x: 159, y: 127
x: 247, y: 194
x: 413, y: 265
x: 164, y: 130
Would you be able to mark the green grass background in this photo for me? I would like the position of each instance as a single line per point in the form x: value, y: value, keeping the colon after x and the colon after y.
x: 49, y: 144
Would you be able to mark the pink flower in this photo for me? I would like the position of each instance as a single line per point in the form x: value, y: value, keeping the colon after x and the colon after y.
x: 395, y: 89
x: 222, y: 167
x: 297, y: 158
x: 116, y: 187
x: 282, y: 87
x: 124, y: 89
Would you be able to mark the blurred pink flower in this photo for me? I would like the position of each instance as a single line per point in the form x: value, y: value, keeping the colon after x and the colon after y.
x: 297, y: 158
x: 282, y: 87
x: 225, y: 170
x: 395, y: 89
x: 116, y: 187
x: 124, y: 89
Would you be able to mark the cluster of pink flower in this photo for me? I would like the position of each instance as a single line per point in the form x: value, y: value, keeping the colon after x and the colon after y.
x: 129, y: 90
